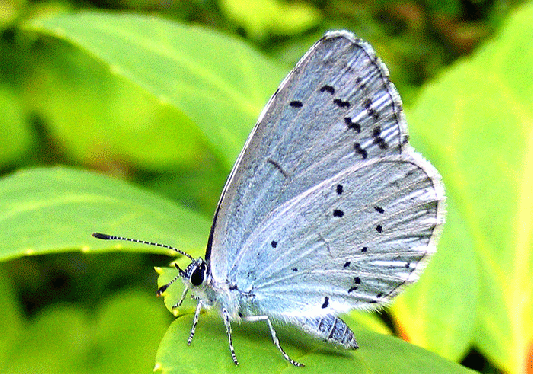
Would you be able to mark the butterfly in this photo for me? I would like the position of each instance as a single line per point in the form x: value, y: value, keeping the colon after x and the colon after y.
x: 327, y: 208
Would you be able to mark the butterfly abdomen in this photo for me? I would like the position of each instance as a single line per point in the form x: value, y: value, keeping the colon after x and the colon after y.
x: 329, y: 328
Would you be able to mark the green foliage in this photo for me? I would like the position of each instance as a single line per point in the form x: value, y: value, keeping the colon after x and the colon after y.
x: 80, y: 203
x: 15, y: 135
x: 214, y: 85
x: 261, y: 17
x: 168, y: 106
x: 481, y: 110
x: 67, y: 339
x: 209, y: 350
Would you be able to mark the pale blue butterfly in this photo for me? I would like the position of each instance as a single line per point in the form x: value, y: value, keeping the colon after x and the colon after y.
x: 327, y: 209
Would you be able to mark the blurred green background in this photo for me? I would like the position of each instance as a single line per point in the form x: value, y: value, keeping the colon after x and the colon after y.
x: 126, y: 116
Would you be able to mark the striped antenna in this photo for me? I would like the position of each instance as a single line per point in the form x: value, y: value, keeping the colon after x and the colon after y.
x: 98, y: 235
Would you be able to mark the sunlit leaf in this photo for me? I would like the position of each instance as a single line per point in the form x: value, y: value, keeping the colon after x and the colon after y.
x: 16, y: 136
x: 480, y: 114
x: 120, y: 336
x: 261, y: 17
x: 57, y: 210
x: 209, y: 351
x: 216, y: 82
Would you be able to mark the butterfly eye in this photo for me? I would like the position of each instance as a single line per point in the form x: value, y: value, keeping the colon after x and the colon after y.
x: 198, y: 275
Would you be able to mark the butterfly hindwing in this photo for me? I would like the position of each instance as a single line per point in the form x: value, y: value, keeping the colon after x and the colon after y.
x: 355, y: 238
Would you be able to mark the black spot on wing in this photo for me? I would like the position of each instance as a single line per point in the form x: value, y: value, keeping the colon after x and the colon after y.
x: 360, y: 83
x: 367, y: 104
x: 342, y: 104
x: 274, y: 243
x: 360, y: 150
x: 357, y: 282
x: 352, y: 125
x: 381, y: 143
x: 327, y: 88
x: 379, y: 228
x: 379, y: 209
x: 338, y: 213
x: 325, y: 303
x: 376, y: 134
x: 296, y: 104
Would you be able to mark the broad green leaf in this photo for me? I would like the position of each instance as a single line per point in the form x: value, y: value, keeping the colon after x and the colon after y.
x: 118, y: 337
x: 97, y: 118
x: 16, y: 136
x: 12, y: 321
x: 261, y: 17
x: 481, y: 112
x: 9, y: 11
x: 56, y: 209
x: 370, y: 321
x: 209, y: 352
x: 215, y: 81
x: 450, y: 8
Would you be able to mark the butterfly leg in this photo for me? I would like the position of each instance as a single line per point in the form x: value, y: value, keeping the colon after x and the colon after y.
x: 195, y: 321
x: 165, y: 286
x: 274, y: 337
x: 225, y: 316
x: 181, y: 298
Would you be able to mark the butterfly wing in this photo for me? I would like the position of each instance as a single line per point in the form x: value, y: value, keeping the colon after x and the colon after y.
x: 352, y: 241
x: 336, y: 120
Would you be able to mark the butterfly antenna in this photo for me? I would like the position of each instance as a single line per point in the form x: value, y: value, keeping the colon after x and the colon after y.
x: 98, y: 235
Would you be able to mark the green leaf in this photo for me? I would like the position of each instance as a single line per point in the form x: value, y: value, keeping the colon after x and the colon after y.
x: 122, y: 124
x: 450, y: 8
x: 16, y: 136
x: 57, y: 209
x: 480, y: 114
x: 12, y: 321
x: 209, y: 352
x: 119, y: 337
x: 215, y: 81
x: 261, y: 17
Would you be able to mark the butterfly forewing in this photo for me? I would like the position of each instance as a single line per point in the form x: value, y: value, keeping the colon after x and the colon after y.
x: 336, y: 109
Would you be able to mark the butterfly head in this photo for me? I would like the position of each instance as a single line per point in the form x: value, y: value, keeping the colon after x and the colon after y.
x: 195, y: 274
